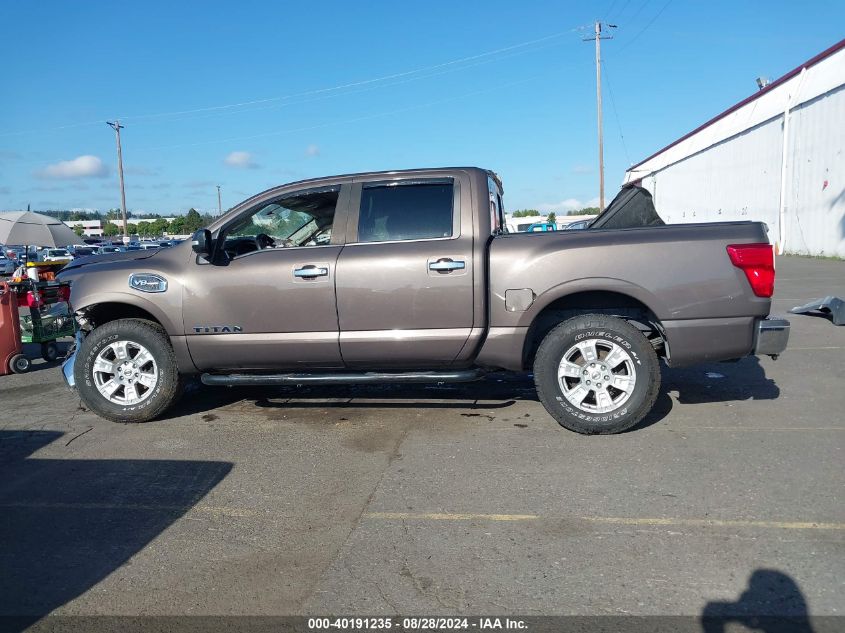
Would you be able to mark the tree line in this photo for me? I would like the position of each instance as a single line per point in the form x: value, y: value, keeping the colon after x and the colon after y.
x: 113, y: 222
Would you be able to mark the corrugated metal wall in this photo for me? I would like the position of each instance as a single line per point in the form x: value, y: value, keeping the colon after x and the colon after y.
x: 740, y: 179
x: 737, y: 179
x: 815, y: 212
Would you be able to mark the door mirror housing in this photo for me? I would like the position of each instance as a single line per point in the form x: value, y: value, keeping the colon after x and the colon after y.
x: 201, y: 242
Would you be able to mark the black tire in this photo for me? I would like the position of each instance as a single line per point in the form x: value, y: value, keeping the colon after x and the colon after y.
x: 49, y: 351
x: 19, y: 364
x: 151, y: 336
x: 607, y: 331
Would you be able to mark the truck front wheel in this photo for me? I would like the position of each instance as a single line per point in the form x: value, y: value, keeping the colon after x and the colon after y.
x: 596, y: 374
x: 125, y: 371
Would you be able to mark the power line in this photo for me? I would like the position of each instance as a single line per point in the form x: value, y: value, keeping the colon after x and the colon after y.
x: 622, y: 10
x: 361, y: 90
x: 330, y: 89
x: 318, y: 126
x: 645, y: 28
x: 616, y: 113
x: 637, y: 13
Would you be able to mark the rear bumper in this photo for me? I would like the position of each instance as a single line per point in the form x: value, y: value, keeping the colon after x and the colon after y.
x: 771, y: 338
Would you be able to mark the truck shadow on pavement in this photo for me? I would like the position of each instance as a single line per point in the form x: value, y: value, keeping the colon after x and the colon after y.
x: 66, y: 524
x: 714, y: 382
x: 772, y: 603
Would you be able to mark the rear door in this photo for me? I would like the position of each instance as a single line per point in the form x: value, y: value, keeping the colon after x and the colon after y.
x: 405, y: 276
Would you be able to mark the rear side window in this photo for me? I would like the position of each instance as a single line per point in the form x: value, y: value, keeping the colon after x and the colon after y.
x: 406, y: 212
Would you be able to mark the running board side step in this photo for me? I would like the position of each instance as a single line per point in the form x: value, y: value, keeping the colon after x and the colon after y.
x: 415, y: 377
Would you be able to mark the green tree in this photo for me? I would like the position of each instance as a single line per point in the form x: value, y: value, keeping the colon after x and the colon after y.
x: 193, y: 221
x: 131, y: 229
x: 159, y: 226
x: 525, y: 213
x: 78, y: 230
x: 585, y: 211
x: 177, y: 226
x: 110, y: 229
x: 552, y: 218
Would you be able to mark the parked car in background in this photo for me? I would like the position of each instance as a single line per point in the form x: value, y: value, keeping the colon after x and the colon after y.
x: 105, y: 250
x: 54, y: 255
x: 541, y: 227
x: 576, y: 226
x: 149, y: 245
x: 7, y: 266
x: 82, y: 251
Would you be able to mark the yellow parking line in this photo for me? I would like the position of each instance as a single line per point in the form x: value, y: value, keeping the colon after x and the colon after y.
x: 438, y: 516
x: 634, y: 521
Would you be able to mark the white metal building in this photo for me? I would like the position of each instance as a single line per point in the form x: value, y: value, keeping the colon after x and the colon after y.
x: 778, y: 157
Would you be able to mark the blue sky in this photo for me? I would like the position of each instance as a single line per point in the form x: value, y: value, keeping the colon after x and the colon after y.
x: 253, y: 94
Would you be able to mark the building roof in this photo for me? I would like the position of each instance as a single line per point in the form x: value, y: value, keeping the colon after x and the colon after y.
x: 811, y: 79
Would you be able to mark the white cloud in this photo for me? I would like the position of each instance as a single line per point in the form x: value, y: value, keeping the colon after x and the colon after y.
x: 312, y: 150
x: 569, y: 204
x: 241, y: 160
x: 86, y: 166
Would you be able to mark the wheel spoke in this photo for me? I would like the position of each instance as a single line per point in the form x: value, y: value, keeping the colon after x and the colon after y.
x: 616, y: 356
x: 110, y: 387
x: 623, y: 382
x: 603, y: 399
x: 569, y: 369
x: 120, y: 349
x: 130, y: 393
x: 103, y: 366
x: 148, y: 380
x: 588, y: 351
x: 577, y: 395
x: 142, y: 357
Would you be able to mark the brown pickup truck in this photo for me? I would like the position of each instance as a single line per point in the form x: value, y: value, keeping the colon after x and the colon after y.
x: 411, y: 276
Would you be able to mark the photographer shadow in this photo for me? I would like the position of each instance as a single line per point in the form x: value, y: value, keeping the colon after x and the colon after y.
x: 772, y: 603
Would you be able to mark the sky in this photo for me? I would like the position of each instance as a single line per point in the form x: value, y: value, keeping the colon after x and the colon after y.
x: 248, y: 95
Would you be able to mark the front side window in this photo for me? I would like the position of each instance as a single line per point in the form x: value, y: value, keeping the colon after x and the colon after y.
x: 302, y: 218
x: 411, y: 211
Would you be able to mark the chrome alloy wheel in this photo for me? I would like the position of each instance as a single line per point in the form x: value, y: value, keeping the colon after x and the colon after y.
x: 125, y: 373
x: 597, y: 376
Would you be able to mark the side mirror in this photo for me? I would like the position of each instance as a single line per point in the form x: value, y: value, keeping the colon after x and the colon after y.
x: 201, y: 242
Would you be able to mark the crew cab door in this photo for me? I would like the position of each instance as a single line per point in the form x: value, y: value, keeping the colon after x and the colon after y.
x: 405, y: 277
x: 267, y: 300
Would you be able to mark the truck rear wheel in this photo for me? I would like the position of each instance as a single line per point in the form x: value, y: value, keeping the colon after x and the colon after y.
x: 126, y: 371
x: 596, y: 374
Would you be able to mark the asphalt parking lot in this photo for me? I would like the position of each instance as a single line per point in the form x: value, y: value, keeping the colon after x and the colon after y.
x: 442, y: 500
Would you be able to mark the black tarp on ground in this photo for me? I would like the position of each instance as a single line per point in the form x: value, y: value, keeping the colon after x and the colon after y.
x: 633, y: 206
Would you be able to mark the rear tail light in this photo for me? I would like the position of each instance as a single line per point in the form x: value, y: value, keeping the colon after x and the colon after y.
x: 757, y: 261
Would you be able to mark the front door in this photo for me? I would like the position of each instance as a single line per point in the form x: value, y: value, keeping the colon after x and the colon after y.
x: 267, y: 299
x: 405, y: 277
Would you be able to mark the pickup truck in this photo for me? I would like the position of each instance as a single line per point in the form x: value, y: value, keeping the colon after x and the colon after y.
x: 411, y: 277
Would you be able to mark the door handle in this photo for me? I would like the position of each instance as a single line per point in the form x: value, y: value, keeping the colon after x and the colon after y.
x: 446, y: 265
x: 306, y: 272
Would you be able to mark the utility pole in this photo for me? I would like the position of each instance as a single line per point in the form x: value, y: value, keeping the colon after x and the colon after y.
x: 116, y: 126
x: 598, y: 37
x: 219, y: 202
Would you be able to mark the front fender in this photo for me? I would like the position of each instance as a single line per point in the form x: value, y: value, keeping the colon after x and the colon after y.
x: 166, y: 310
